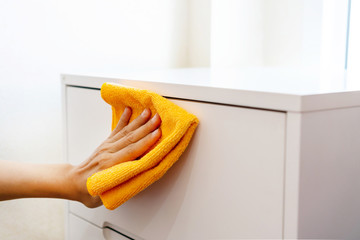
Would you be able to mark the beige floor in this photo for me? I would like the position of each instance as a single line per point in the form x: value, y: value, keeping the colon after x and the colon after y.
x: 32, y: 219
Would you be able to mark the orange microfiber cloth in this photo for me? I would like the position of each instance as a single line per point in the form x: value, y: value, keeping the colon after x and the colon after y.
x: 121, y: 182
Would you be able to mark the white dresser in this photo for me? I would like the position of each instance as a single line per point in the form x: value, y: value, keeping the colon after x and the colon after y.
x: 274, y: 157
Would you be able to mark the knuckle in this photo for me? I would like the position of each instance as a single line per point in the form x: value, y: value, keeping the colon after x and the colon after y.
x: 103, y: 159
x: 105, y: 148
x: 130, y: 138
x: 125, y: 131
x: 129, y: 150
x: 105, y: 156
x: 119, y: 135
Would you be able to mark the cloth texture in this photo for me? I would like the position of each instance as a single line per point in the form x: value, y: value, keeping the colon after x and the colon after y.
x: 121, y: 182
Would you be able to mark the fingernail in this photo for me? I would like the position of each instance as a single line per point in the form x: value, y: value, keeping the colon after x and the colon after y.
x: 145, y: 112
x: 156, y: 131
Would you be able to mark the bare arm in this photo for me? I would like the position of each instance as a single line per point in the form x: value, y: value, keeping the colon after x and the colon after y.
x: 125, y: 143
x: 20, y: 180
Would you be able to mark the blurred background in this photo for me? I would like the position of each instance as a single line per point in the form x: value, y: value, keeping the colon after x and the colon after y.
x: 41, y: 39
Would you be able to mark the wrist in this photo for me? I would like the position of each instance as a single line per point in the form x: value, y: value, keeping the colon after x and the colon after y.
x: 77, y: 177
x: 73, y: 183
x: 67, y: 186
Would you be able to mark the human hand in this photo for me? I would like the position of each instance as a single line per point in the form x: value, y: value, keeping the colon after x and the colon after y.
x: 127, y: 142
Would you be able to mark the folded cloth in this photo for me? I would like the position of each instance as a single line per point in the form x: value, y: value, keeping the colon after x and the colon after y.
x: 121, y: 182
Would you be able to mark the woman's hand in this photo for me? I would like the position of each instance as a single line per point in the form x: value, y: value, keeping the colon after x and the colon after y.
x: 125, y: 143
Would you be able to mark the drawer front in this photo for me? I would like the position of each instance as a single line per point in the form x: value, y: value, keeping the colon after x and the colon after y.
x: 79, y: 229
x: 228, y: 183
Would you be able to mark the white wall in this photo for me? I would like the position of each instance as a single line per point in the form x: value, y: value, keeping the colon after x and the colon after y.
x: 236, y: 33
x: 333, y: 43
x: 41, y: 39
x: 353, y: 70
x: 199, y: 38
x: 266, y: 33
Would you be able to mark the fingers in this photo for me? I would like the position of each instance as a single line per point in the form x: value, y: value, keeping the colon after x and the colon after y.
x: 136, y: 149
x: 123, y: 121
x: 138, y: 122
x: 130, y: 140
x: 137, y: 134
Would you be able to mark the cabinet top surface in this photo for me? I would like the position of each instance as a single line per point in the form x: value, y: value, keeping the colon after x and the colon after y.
x: 281, y: 89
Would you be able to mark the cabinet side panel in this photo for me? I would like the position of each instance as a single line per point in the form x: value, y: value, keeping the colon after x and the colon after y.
x: 330, y: 175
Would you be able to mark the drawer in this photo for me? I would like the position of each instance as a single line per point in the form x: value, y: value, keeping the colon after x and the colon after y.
x: 228, y: 183
x: 78, y: 229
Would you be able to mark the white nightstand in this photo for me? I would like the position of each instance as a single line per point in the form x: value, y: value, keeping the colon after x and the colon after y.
x: 274, y: 157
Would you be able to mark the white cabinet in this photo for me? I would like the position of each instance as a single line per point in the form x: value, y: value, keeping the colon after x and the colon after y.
x: 249, y: 172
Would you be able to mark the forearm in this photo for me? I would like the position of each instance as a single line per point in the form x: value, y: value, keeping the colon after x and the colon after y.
x: 24, y: 180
